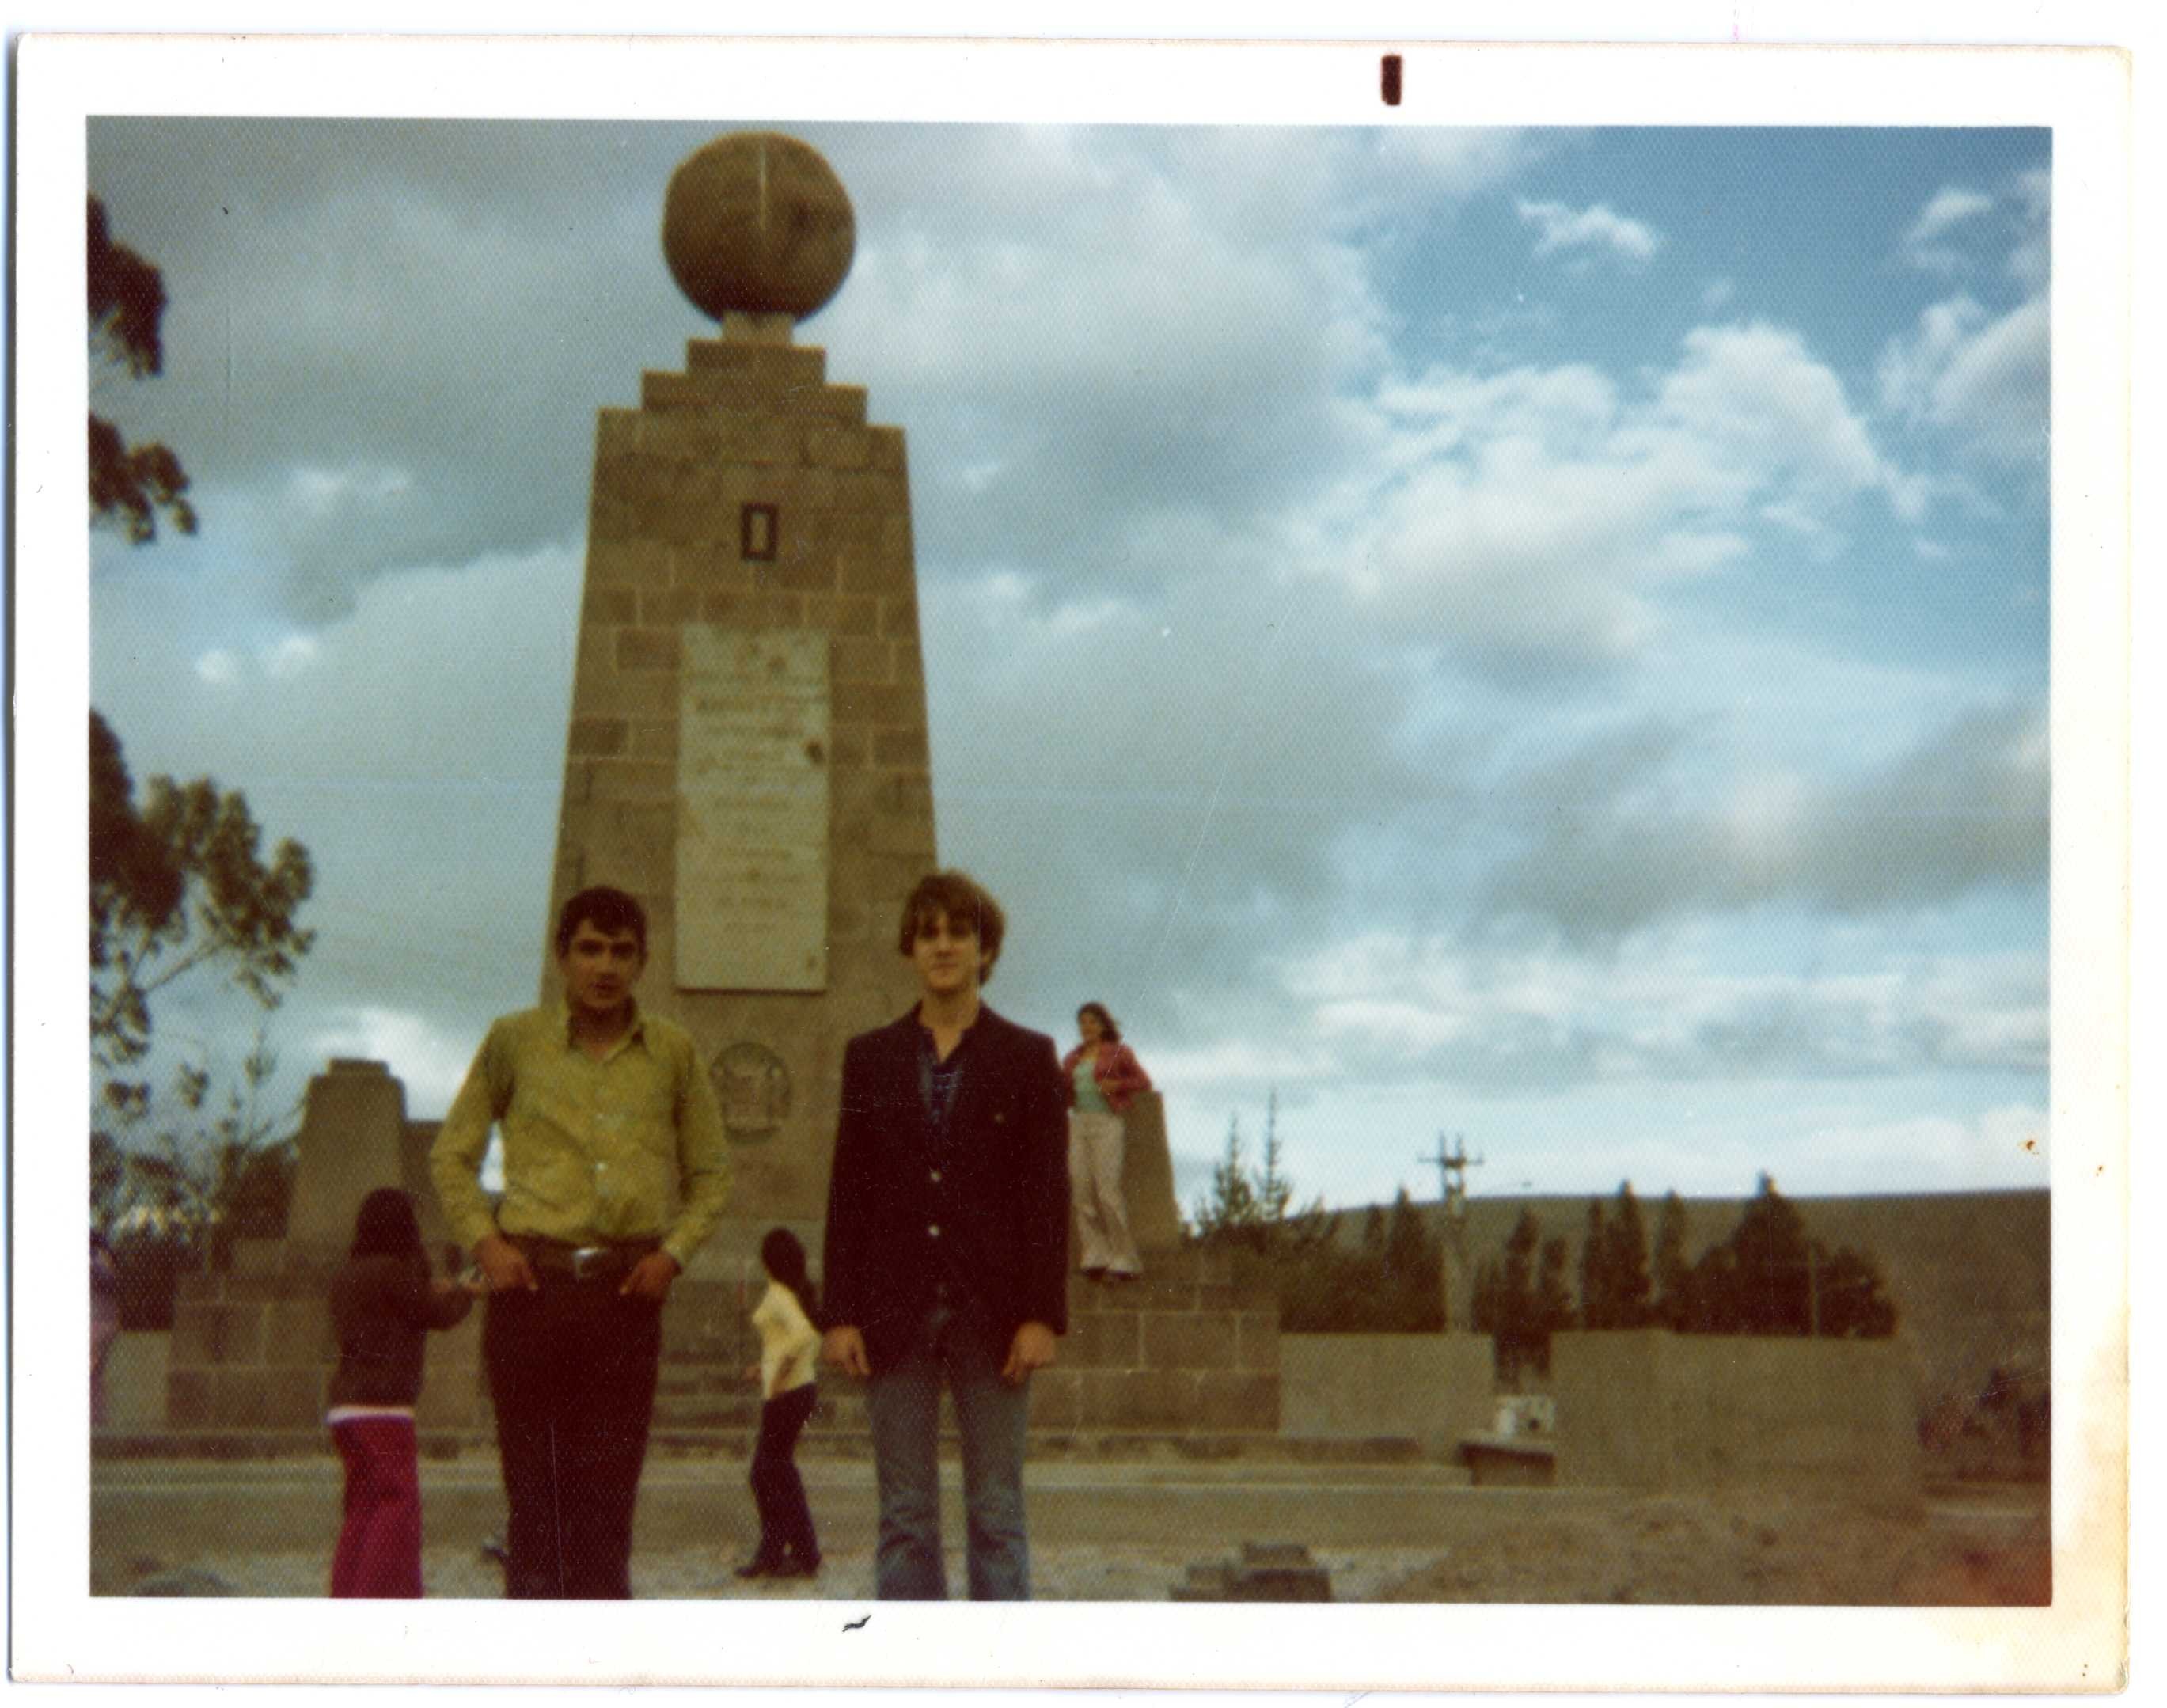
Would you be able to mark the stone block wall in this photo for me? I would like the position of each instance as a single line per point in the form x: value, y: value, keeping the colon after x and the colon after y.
x: 1650, y: 1409
x: 1434, y: 1389
x: 1182, y: 1350
x: 256, y: 1352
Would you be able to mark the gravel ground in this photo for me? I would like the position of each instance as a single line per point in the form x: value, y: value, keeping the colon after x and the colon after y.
x: 695, y: 1574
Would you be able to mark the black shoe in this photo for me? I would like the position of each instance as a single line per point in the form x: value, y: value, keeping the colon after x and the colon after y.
x: 796, y: 1566
x: 1094, y: 1274
x: 759, y: 1568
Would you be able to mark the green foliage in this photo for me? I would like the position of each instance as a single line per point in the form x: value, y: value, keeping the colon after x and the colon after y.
x: 1770, y: 1277
x: 204, y: 1169
x: 129, y: 484
x: 1673, y: 1274
x: 176, y: 887
x: 1389, y: 1283
x: 1614, y: 1283
x: 1253, y: 1208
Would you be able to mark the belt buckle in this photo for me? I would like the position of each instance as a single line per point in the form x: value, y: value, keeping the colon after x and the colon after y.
x: 587, y: 1261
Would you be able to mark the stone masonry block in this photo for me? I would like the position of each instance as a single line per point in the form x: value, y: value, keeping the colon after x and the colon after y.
x: 815, y: 572
x: 1234, y: 1400
x: 654, y: 738
x: 906, y: 792
x: 638, y: 782
x: 605, y: 602
x: 1057, y: 1399
x: 885, y: 451
x: 599, y: 737
x: 190, y: 1397
x: 901, y: 747
x: 744, y: 610
x: 1138, y: 1399
x: 849, y: 748
x: 217, y: 1333
x: 861, y: 661
x: 906, y: 665
x: 1190, y: 1339
x: 898, y: 619
x: 873, y: 491
x: 870, y: 572
x: 299, y: 1332
x: 1103, y: 1340
x: 257, y: 1397
x: 838, y: 447
x: 662, y: 605
x: 877, y: 704
x: 1257, y: 1341
x: 1217, y: 1296
x: 895, y: 536
x: 634, y: 562
x: 853, y: 615
x: 647, y: 649
x: 900, y: 833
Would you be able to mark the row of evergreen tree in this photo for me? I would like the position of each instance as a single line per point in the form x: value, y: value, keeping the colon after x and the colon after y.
x: 1767, y: 1276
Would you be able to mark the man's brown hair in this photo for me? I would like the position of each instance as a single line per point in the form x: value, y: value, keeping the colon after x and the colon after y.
x: 962, y: 898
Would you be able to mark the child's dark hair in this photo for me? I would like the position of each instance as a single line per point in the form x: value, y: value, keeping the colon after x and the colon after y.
x: 784, y: 1259
x: 385, y: 1226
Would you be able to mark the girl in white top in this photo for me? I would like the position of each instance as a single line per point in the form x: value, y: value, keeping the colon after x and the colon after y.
x: 788, y: 1345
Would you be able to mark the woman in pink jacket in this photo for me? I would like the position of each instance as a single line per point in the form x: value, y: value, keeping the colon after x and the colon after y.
x: 1102, y: 1077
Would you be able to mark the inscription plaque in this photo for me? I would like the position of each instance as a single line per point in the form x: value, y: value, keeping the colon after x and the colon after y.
x: 752, y: 810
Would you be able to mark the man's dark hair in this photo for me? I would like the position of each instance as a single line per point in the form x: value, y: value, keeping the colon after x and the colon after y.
x: 961, y: 898
x: 609, y: 911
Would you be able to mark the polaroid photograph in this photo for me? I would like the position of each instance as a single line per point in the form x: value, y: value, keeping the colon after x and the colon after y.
x: 1309, y: 861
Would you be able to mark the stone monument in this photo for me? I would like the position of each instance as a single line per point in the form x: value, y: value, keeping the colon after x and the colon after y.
x: 748, y: 750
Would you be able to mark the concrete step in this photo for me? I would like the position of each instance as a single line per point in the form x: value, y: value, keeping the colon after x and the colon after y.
x: 1399, y: 1460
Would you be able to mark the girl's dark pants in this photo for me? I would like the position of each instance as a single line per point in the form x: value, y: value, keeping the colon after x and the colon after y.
x: 786, y: 1520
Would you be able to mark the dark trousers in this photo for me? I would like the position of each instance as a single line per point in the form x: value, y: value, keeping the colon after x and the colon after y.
x: 572, y: 1368
x: 380, y: 1545
x: 786, y: 1520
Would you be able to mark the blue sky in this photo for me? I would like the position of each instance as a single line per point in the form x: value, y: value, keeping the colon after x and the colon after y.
x: 1539, y: 634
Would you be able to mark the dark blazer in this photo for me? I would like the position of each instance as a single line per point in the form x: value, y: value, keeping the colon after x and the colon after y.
x: 1001, y: 1203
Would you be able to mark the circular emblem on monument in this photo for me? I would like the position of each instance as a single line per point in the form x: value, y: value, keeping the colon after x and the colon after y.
x: 758, y: 222
x: 753, y: 1086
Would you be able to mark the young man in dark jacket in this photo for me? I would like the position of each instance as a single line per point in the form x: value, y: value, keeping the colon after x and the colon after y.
x: 947, y: 1244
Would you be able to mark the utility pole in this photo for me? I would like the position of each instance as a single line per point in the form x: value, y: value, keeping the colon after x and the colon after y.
x: 1457, y: 1278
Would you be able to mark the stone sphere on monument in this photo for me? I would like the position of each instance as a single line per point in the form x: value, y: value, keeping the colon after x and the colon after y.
x: 758, y: 223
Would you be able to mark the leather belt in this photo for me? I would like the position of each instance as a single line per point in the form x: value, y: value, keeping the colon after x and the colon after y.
x: 557, y: 1260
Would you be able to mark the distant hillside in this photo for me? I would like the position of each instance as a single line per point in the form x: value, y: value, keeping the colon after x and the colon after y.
x: 1969, y: 1271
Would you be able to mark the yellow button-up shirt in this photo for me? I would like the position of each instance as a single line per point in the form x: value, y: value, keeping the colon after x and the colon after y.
x: 594, y: 1150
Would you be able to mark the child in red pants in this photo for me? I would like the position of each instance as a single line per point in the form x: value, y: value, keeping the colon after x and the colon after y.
x: 384, y: 1304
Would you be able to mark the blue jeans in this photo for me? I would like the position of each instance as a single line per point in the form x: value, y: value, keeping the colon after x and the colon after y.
x: 905, y: 1404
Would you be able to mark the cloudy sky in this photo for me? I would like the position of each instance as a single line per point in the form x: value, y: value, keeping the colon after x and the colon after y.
x: 1539, y: 635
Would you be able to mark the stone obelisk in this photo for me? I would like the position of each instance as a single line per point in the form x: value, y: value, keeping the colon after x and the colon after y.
x: 748, y: 745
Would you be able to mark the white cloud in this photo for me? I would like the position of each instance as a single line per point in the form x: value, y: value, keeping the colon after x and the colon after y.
x: 2007, y: 1141
x: 1529, y: 515
x: 1611, y: 846
x: 1951, y: 207
x: 218, y: 667
x: 431, y: 1064
x: 291, y: 657
x: 1563, y: 228
x: 1501, y: 1020
x: 1980, y: 377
